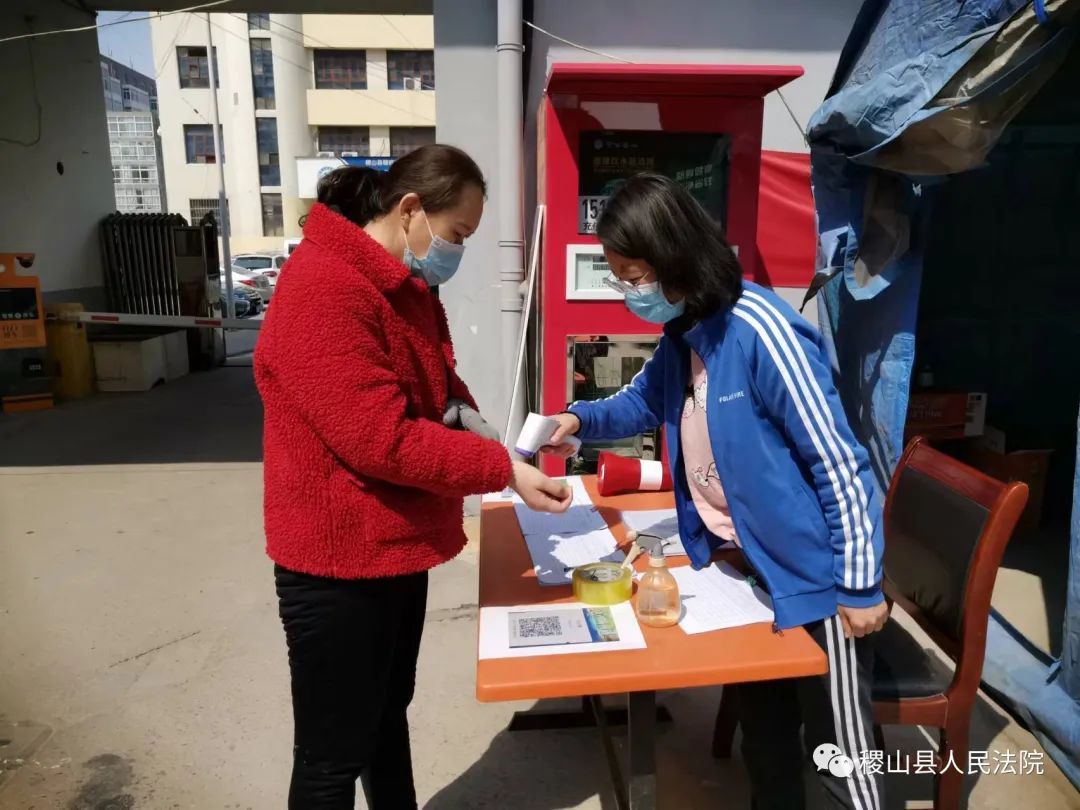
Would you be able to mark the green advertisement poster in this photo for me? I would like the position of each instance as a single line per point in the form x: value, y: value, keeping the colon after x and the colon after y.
x: 699, y: 161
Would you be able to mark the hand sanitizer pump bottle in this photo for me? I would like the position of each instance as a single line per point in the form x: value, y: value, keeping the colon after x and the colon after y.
x: 658, y: 603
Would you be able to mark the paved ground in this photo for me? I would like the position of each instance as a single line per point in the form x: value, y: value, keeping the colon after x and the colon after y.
x: 143, y: 665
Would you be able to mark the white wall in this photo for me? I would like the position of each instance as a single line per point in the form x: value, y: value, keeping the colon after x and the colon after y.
x: 294, y: 135
x: 779, y: 32
x: 179, y: 106
x: 465, y: 110
x: 54, y: 215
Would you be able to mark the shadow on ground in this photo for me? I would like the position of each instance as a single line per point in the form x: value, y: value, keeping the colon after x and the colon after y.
x: 209, y: 417
x: 512, y: 772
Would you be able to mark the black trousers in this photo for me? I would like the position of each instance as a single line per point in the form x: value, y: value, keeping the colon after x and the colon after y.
x: 835, y: 713
x: 353, y: 646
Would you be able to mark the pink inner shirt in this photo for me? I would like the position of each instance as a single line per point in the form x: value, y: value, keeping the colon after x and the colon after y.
x: 698, y: 458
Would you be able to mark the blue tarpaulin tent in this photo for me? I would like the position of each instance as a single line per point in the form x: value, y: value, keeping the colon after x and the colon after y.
x: 924, y: 92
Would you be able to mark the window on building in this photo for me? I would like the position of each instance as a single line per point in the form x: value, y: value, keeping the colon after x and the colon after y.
x: 410, y: 70
x: 262, y: 74
x: 136, y: 99
x: 267, y: 141
x: 345, y: 139
x: 124, y: 151
x: 406, y: 139
x: 194, y: 70
x: 340, y: 70
x: 272, y: 216
x: 114, y: 99
x: 259, y: 22
x: 200, y: 207
x: 199, y: 143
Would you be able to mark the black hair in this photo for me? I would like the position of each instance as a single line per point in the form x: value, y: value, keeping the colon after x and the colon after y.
x: 653, y: 218
x: 436, y: 173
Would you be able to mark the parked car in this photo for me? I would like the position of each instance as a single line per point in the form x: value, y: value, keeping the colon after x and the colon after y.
x: 263, y: 264
x: 241, y: 304
x: 245, y: 278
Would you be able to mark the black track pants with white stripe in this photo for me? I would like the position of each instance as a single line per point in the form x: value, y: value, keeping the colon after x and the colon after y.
x: 834, y: 711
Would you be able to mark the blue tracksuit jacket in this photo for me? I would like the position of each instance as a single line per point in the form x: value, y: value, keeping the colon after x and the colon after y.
x: 798, y: 484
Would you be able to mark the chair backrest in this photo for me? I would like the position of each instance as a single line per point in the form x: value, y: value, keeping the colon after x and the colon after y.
x: 946, y: 528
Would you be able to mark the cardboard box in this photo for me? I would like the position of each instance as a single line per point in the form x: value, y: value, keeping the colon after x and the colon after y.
x: 135, y: 364
x: 945, y: 414
x: 990, y: 455
x: 177, y: 362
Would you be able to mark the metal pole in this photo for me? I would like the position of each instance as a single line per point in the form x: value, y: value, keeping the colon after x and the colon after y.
x: 641, y: 740
x: 518, y: 386
x: 509, y: 50
x: 219, y: 159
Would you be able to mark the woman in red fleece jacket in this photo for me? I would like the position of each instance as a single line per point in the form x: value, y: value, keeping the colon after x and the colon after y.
x: 364, y: 477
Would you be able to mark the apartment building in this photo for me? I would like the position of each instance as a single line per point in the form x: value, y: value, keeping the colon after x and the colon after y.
x: 298, y: 94
x: 134, y: 147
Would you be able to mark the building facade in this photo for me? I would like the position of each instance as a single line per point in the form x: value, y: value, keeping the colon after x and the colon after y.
x: 127, y: 90
x: 135, y: 151
x: 134, y: 146
x: 298, y: 94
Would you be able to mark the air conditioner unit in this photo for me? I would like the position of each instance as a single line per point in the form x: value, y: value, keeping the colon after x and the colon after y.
x: 413, y: 83
x: 325, y: 154
x: 350, y: 154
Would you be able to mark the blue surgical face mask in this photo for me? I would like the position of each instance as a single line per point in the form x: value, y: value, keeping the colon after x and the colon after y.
x: 649, y: 303
x: 439, y: 264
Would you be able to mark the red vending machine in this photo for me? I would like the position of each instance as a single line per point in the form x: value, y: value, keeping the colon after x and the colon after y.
x: 598, y: 124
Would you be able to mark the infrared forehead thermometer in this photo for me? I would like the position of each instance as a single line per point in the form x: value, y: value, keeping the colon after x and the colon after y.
x: 537, y: 432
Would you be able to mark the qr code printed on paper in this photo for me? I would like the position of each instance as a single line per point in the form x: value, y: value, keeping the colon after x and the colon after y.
x: 572, y: 625
x: 539, y: 626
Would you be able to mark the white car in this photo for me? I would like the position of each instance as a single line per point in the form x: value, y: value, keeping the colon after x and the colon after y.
x: 263, y: 264
x: 257, y: 281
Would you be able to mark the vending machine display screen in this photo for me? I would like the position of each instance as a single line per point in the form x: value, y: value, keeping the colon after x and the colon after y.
x: 699, y: 161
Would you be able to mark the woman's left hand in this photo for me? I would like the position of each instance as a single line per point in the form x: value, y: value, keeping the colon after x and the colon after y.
x: 859, y: 622
x: 460, y: 414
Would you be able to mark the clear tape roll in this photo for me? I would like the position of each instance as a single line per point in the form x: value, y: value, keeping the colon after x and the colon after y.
x: 603, y: 583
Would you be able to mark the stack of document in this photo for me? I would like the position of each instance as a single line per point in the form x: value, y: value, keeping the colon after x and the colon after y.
x: 560, y: 543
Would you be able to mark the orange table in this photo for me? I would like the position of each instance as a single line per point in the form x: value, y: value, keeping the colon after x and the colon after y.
x: 671, y: 660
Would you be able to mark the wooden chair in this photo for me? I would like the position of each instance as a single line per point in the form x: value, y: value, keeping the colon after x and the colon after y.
x: 946, y: 529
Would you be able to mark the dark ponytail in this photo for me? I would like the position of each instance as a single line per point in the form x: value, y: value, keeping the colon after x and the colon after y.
x: 355, y: 192
x: 437, y: 173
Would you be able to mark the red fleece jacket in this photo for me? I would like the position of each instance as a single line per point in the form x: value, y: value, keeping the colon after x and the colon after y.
x: 354, y: 364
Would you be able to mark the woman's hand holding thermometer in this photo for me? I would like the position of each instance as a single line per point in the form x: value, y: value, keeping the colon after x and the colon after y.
x: 563, y: 441
x: 547, y: 433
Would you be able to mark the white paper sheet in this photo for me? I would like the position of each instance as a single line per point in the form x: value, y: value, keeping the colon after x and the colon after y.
x: 719, y: 597
x: 555, y: 556
x: 495, y: 635
x: 581, y: 518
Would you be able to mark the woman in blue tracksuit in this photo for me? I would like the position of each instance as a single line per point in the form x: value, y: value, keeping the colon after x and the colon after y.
x: 763, y: 456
